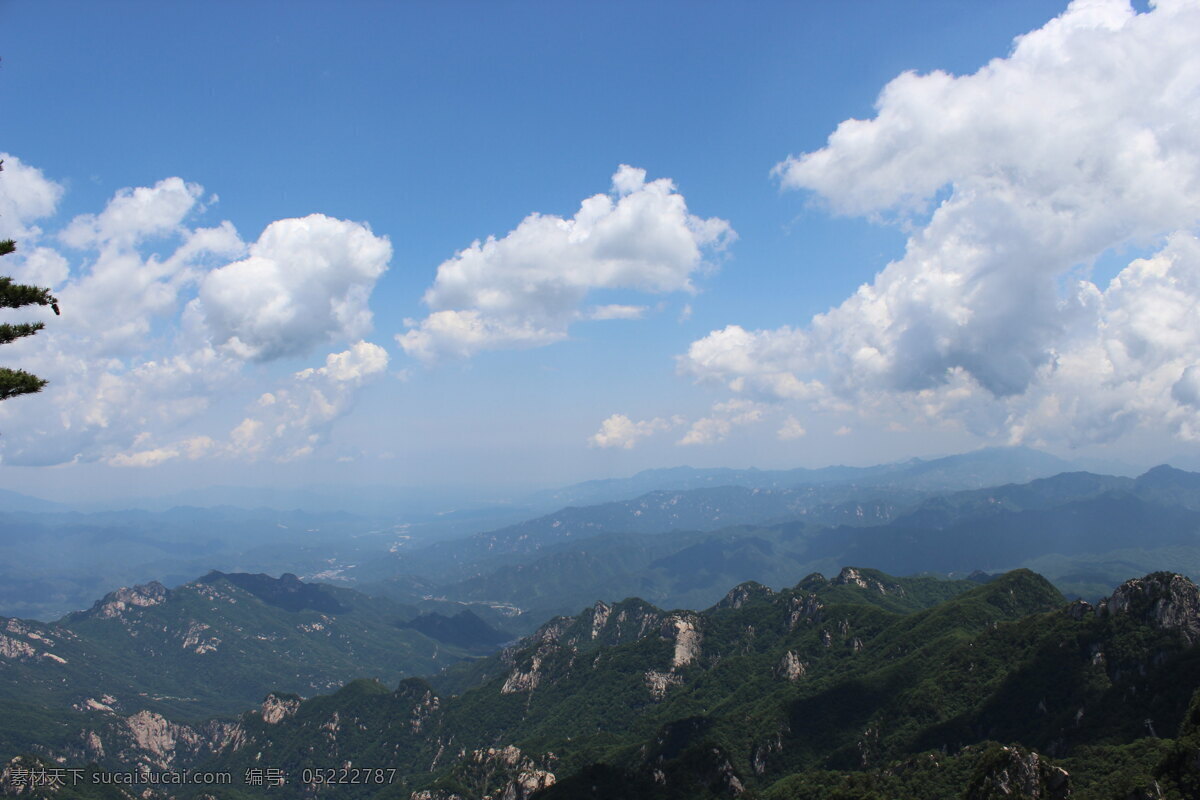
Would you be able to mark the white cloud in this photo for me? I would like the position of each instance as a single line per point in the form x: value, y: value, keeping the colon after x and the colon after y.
x: 617, y: 312
x: 1079, y: 142
x: 305, y: 282
x: 620, y: 431
x: 134, y: 215
x: 192, y: 449
x: 26, y: 195
x: 791, y: 429
x: 284, y: 424
x: 292, y: 420
x: 135, y: 365
x: 724, y: 418
x: 525, y: 289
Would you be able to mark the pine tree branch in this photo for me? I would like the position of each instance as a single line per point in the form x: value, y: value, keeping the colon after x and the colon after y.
x: 16, y: 295
x: 10, y: 333
x: 14, y: 382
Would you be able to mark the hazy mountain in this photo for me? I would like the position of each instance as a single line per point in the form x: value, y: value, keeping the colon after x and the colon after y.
x: 985, y: 467
x: 15, y: 501
x: 1088, y: 531
x: 876, y: 495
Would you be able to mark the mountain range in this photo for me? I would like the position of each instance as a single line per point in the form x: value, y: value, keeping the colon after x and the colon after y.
x: 858, y: 686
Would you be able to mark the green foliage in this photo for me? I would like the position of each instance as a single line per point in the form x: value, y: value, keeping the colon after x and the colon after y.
x: 861, y: 687
x: 208, y: 648
x: 15, y: 382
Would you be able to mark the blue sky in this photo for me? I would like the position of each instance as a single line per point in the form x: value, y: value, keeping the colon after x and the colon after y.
x: 417, y: 129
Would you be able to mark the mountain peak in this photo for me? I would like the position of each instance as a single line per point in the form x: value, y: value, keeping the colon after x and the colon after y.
x: 744, y: 593
x: 287, y: 591
x: 114, y: 604
x: 1167, y: 600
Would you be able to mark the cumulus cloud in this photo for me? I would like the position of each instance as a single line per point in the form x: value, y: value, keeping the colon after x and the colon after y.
x: 620, y: 431
x: 27, y: 196
x: 305, y: 282
x: 138, y: 360
x: 1014, y: 180
x: 135, y: 214
x: 525, y: 289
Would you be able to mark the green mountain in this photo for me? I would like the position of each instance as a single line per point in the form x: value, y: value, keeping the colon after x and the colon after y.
x: 213, y: 646
x: 859, y: 687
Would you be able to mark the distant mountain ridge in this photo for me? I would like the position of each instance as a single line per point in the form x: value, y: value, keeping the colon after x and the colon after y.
x: 874, y: 496
x: 679, y: 548
x: 984, y: 467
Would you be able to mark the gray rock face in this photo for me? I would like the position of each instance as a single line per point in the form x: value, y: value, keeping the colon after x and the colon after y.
x: 277, y: 708
x: 854, y: 577
x: 1166, y: 600
x: 806, y: 608
x: 1014, y: 772
x: 116, y: 603
x: 743, y: 593
x: 790, y: 667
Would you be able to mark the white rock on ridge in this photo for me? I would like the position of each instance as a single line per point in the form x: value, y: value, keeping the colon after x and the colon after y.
x: 275, y: 708
x: 851, y: 576
x: 526, y: 783
x: 15, y: 648
x: 115, y: 603
x: 1166, y: 600
x: 660, y: 682
x: 158, y: 736
x: 524, y: 681
x: 688, y: 637
x: 791, y: 667
x: 600, y: 614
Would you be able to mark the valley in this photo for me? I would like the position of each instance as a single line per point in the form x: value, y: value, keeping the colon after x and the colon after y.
x: 669, y: 683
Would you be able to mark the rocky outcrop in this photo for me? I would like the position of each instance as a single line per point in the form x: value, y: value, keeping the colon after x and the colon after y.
x: 790, y: 667
x: 526, y: 665
x: 423, y: 709
x: 685, y: 630
x: 278, y: 707
x: 743, y: 593
x: 16, y: 648
x: 497, y: 773
x: 1165, y: 600
x: 147, y: 740
x: 851, y: 576
x: 804, y: 608
x: 526, y: 783
x: 524, y: 680
x: 117, y: 603
x: 195, y: 639
x: 1080, y: 610
x: 600, y: 614
x: 158, y: 737
x: 660, y: 682
x: 1014, y: 772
